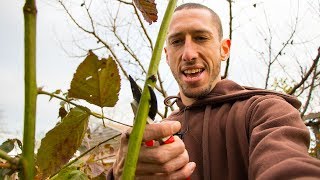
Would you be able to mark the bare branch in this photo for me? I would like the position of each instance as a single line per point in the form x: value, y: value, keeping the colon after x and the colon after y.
x: 310, y: 92
x: 125, y: 2
x: 313, y: 66
x: 98, y: 38
x: 230, y: 37
x: 91, y: 20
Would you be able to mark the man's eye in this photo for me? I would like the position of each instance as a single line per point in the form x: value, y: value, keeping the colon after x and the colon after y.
x: 200, y: 38
x: 176, y: 41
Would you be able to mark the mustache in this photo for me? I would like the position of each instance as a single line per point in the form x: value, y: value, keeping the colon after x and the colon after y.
x: 189, y: 63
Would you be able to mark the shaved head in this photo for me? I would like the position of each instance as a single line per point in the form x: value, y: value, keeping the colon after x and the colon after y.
x: 215, y: 18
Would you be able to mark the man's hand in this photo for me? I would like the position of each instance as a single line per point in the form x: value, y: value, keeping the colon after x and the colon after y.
x: 167, y: 161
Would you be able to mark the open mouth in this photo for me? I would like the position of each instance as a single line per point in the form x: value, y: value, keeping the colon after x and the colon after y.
x: 191, y: 73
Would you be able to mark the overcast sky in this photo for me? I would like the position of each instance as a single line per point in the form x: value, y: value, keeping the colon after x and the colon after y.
x: 55, y: 69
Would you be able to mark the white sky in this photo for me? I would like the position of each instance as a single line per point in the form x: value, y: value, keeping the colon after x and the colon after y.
x: 55, y: 69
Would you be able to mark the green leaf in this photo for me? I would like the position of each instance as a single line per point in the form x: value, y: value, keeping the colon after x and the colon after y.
x: 8, y: 145
x: 148, y: 10
x: 96, y: 81
x: 60, y: 143
x: 70, y: 173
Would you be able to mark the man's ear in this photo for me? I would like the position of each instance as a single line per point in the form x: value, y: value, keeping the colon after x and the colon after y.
x: 165, y: 51
x: 225, y: 49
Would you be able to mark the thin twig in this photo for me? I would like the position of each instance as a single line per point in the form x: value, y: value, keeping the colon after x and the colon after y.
x: 98, y: 38
x: 313, y: 66
x: 310, y: 93
x: 97, y: 115
x: 230, y: 37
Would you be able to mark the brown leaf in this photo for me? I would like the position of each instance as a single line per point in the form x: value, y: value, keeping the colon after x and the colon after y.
x: 61, y: 142
x: 148, y: 10
x: 96, y: 81
x: 62, y: 112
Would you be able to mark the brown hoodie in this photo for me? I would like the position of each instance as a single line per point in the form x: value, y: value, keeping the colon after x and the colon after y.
x: 246, y: 133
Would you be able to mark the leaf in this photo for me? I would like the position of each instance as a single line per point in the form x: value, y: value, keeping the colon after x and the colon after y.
x: 8, y: 145
x: 148, y: 10
x: 96, y: 81
x: 102, y: 176
x: 61, y: 142
x: 62, y: 112
x: 95, y: 169
x: 70, y: 173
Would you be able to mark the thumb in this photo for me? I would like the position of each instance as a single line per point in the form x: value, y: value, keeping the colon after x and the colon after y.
x: 161, y: 130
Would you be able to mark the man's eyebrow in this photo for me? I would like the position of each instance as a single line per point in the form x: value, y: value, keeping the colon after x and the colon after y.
x: 174, y: 35
x: 201, y: 31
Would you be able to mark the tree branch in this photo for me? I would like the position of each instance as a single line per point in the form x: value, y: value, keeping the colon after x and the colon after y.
x: 310, y: 93
x: 313, y: 66
x: 230, y: 37
x: 93, y: 33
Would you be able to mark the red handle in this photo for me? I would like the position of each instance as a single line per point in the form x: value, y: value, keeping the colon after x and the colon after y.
x: 149, y: 143
x: 165, y: 141
x: 169, y: 140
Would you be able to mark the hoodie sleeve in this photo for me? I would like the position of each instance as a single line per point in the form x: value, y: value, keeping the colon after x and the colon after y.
x: 279, y: 142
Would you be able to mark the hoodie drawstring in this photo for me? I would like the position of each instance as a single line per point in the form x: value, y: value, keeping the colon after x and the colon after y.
x: 205, y: 143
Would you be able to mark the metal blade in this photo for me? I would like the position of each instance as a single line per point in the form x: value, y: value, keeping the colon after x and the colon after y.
x: 136, y: 92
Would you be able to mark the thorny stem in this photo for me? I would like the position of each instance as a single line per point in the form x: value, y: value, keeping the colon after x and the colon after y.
x: 83, y: 154
x: 97, y: 115
x: 30, y: 20
x: 143, y: 108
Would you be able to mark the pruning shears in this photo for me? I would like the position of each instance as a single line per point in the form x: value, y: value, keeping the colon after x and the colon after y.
x: 153, y: 109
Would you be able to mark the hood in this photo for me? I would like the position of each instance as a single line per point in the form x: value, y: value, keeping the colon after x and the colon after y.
x: 229, y: 91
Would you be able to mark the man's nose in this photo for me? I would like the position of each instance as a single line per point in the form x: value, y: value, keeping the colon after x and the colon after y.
x: 189, y: 51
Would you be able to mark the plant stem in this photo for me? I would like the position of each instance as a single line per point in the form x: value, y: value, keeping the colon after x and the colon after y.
x: 10, y: 159
x: 143, y: 109
x: 30, y: 19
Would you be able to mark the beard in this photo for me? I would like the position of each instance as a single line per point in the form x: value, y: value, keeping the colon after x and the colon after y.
x: 198, y: 93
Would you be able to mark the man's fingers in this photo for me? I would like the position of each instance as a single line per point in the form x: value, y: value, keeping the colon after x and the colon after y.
x: 181, y: 174
x: 161, y: 130
x: 168, y: 167
x: 162, y: 154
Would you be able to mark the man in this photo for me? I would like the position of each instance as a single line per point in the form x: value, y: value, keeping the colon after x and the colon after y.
x: 228, y: 131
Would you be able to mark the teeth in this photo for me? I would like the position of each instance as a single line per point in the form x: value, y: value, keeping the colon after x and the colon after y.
x: 191, y: 71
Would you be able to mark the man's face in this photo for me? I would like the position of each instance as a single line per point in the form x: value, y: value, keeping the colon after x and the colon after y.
x: 194, y: 51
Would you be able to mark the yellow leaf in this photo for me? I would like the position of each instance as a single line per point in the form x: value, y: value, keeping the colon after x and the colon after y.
x: 96, y: 81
